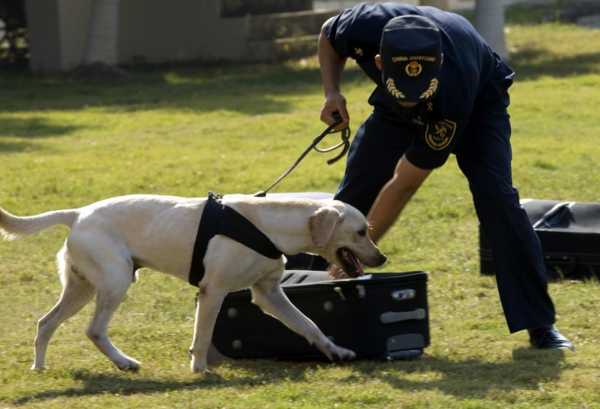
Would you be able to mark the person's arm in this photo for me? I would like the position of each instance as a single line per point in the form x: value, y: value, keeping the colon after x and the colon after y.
x: 394, y: 196
x: 332, y: 66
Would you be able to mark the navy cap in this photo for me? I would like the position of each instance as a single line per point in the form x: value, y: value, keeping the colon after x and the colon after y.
x: 411, y: 50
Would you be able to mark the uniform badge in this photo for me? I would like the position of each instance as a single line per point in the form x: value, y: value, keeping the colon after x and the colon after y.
x: 413, y: 69
x: 433, y: 86
x: 359, y: 52
x: 438, y: 135
x: 393, y: 90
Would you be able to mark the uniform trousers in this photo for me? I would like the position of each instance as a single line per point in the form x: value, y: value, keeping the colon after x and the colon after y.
x: 484, y: 157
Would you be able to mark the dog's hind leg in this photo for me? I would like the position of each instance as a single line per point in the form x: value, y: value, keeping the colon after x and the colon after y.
x: 208, y: 306
x: 107, y: 264
x: 271, y: 299
x: 107, y: 301
x: 76, y: 293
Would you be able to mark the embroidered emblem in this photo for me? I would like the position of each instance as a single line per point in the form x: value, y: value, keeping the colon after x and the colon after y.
x: 413, y: 69
x: 433, y: 86
x: 438, y: 135
x: 391, y: 87
x: 403, y: 58
x: 430, y: 106
x: 359, y: 52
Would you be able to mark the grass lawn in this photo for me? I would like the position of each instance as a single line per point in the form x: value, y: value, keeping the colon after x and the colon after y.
x: 233, y: 129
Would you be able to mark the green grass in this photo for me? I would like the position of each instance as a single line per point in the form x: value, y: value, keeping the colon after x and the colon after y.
x: 186, y: 131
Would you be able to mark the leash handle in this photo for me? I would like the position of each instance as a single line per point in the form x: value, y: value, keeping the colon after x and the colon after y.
x: 345, y: 135
x: 337, y: 118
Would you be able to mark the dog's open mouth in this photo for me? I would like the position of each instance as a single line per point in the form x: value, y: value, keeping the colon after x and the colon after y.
x: 350, y: 263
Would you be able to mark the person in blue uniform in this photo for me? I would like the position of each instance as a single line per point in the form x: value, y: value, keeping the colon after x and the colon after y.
x: 440, y: 89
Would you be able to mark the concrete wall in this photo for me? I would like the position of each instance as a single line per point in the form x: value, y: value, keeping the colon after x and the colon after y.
x: 57, y: 33
x: 44, y: 36
x: 73, y: 19
x: 149, y: 31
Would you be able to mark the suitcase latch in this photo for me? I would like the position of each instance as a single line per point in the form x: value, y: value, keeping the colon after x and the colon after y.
x: 361, y: 292
x: 403, y: 295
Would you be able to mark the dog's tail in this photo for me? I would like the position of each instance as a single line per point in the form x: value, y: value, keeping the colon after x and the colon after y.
x: 12, y: 226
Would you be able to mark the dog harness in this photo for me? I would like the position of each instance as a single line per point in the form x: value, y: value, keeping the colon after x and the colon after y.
x: 220, y: 219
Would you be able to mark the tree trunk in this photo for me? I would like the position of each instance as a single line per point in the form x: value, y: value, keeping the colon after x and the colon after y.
x: 489, y: 21
x: 103, y: 33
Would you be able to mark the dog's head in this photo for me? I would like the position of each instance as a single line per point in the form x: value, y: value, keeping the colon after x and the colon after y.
x: 340, y: 234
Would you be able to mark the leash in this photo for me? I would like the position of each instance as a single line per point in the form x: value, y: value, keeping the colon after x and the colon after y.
x: 345, y: 143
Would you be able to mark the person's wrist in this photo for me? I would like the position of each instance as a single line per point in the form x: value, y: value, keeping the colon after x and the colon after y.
x: 332, y: 94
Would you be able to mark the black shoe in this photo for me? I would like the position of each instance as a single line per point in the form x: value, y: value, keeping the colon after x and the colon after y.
x: 549, y: 338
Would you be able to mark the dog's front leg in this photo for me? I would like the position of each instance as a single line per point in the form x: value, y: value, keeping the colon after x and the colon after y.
x: 207, y: 309
x: 269, y: 296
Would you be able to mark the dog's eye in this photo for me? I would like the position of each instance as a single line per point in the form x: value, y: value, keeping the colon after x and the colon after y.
x: 362, y: 232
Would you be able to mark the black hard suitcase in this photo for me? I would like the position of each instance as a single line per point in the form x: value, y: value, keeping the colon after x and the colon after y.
x: 570, y: 236
x: 379, y: 316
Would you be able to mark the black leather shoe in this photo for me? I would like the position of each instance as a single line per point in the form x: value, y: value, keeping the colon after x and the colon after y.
x: 549, y: 338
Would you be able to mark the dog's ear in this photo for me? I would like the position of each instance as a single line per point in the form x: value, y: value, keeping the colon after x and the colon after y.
x: 322, y: 224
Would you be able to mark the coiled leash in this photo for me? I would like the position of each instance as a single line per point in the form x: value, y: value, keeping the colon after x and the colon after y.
x: 345, y: 136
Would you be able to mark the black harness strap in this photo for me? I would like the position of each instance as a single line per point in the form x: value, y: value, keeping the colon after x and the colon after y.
x: 220, y: 219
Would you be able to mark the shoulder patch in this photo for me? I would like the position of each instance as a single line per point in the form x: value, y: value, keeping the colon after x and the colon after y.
x: 439, y: 135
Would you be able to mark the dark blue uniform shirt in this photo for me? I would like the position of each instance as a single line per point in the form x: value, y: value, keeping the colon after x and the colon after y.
x: 436, y: 126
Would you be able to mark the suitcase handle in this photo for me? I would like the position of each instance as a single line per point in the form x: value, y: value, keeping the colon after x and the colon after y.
x: 555, y: 216
x: 392, y: 317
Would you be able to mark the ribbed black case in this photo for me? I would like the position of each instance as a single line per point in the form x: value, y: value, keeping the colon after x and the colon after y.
x: 379, y: 316
x: 570, y: 236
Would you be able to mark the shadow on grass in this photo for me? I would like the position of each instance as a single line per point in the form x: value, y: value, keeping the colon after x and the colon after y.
x: 532, y: 63
x: 260, y: 373
x: 471, y: 378
x: 33, y: 128
x: 28, y: 129
x: 247, y: 89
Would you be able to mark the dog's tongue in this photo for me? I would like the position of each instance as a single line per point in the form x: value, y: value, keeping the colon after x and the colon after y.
x: 358, y: 270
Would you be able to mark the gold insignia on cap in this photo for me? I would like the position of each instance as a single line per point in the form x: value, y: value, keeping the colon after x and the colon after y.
x: 433, y: 86
x: 413, y: 69
x: 359, y: 52
x: 391, y: 87
x: 438, y: 135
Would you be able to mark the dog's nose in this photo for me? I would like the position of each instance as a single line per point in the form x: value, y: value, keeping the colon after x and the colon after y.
x: 381, y: 260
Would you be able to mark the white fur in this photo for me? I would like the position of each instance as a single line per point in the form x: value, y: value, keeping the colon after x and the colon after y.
x: 111, y: 238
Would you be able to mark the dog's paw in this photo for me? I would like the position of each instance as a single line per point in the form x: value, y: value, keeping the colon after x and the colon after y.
x: 129, y: 365
x: 336, y: 353
x: 343, y: 354
x: 199, y: 366
x: 38, y: 368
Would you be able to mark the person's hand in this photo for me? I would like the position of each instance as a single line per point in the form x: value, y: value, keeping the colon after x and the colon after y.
x: 335, y: 102
x: 336, y: 272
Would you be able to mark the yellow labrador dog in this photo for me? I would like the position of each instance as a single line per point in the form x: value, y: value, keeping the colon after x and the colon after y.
x: 112, y: 238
